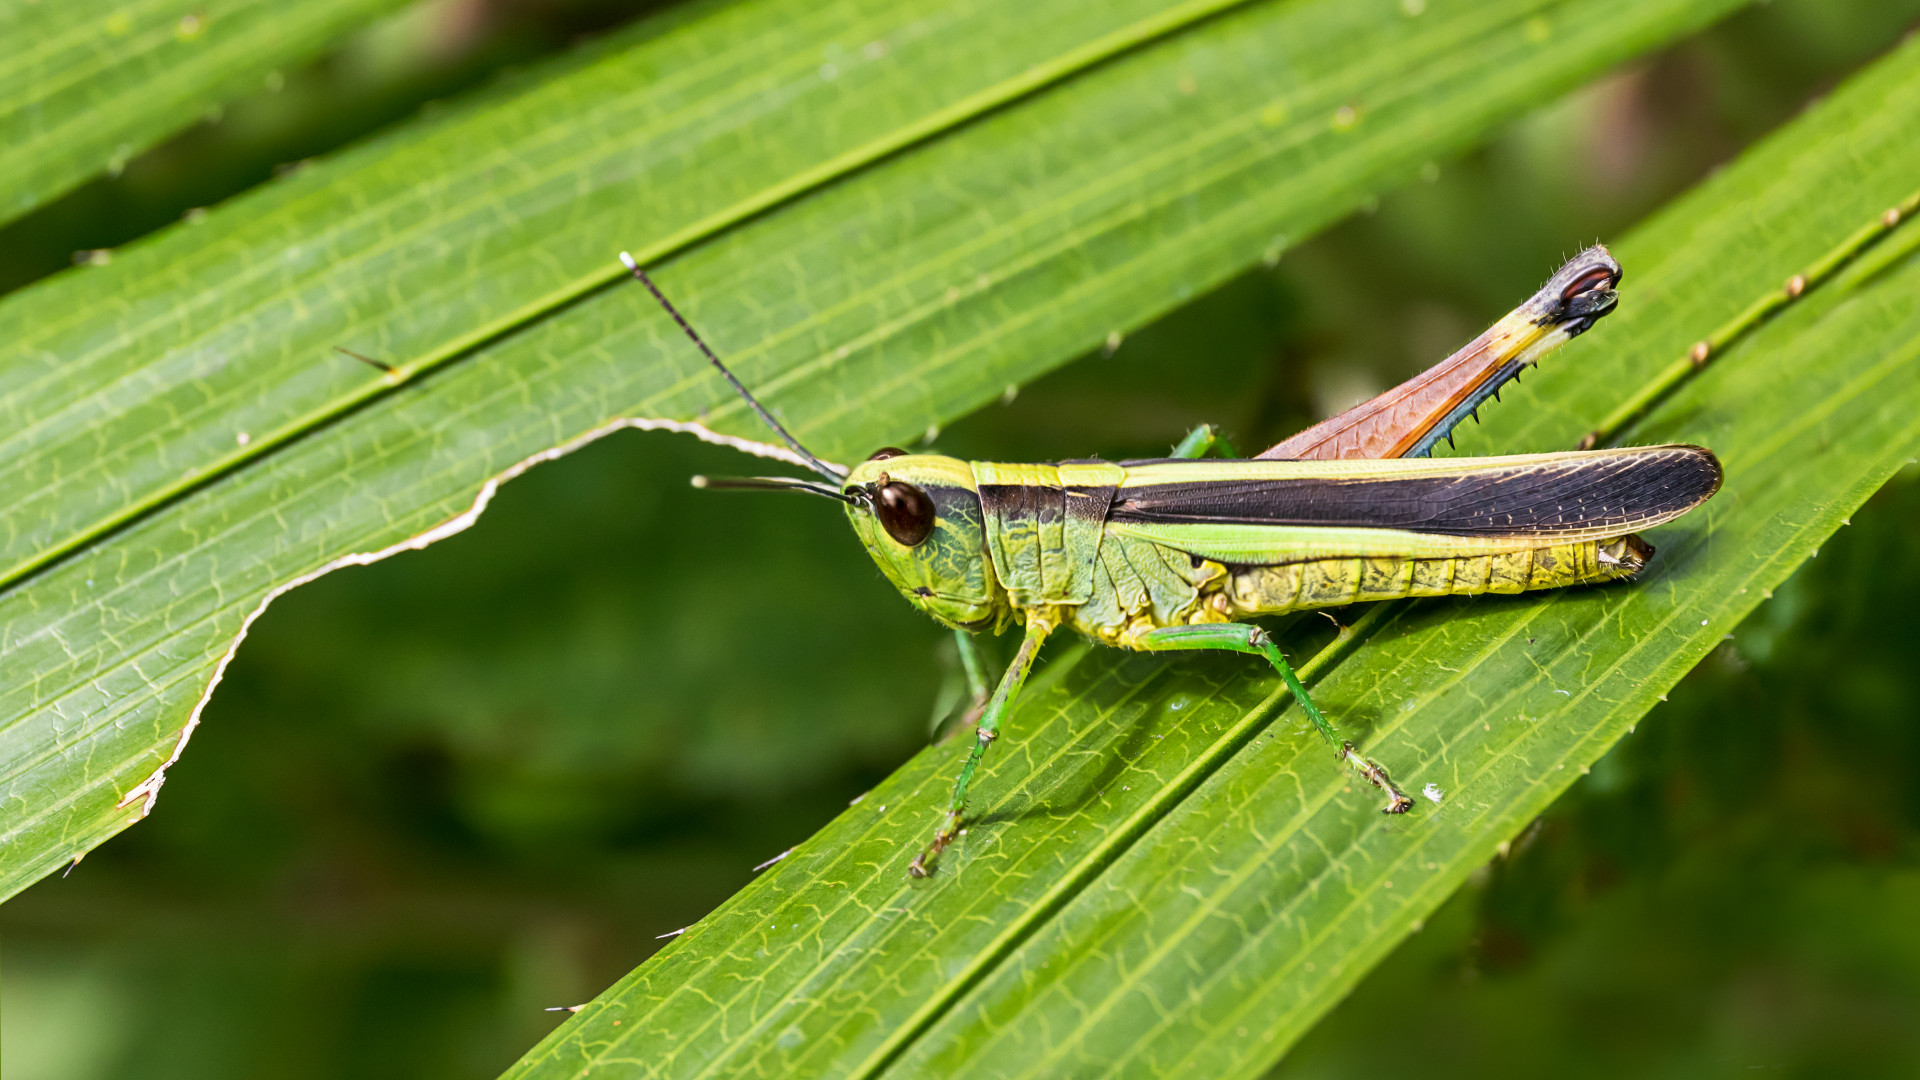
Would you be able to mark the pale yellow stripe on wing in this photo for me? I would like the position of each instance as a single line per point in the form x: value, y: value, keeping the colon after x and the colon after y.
x: 1271, y: 544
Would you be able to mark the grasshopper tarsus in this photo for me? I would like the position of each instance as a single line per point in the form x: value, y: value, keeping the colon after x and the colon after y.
x: 1376, y: 774
x: 921, y: 866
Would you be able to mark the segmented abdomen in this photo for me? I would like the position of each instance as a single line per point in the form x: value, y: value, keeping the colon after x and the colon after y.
x: 1326, y: 583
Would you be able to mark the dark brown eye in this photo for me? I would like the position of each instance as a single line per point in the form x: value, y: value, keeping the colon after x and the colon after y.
x: 1598, y: 278
x: 886, y: 452
x: 905, y: 512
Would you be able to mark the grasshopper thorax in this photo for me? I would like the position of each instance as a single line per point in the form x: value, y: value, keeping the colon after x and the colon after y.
x: 919, y: 516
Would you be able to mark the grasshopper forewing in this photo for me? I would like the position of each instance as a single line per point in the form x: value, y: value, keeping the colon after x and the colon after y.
x: 1182, y: 552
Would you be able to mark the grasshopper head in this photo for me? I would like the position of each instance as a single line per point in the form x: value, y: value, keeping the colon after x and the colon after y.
x: 919, y: 516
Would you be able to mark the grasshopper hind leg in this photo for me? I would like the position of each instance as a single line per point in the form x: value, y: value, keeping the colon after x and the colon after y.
x: 1245, y: 638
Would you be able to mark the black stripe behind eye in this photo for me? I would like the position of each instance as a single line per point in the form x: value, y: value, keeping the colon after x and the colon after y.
x: 1623, y: 489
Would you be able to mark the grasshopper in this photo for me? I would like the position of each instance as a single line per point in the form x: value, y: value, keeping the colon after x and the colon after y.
x: 1179, y: 553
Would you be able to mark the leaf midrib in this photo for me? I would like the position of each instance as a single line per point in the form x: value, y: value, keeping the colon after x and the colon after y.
x: 994, y: 97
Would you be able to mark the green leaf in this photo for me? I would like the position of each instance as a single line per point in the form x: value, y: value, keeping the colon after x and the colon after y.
x: 86, y: 84
x: 420, y: 248
x: 190, y: 446
x: 1164, y: 873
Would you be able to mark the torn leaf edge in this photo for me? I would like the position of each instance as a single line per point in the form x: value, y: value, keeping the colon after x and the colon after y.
x: 147, y: 792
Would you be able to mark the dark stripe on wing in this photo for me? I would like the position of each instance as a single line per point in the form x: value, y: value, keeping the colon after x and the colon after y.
x: 1627, y: 489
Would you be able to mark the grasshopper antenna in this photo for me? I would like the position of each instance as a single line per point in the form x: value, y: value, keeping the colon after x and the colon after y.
x: 777, y: 483
x: 806, y: 455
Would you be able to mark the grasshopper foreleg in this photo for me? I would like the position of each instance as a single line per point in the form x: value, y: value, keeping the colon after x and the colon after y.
x: 975, y: 667
x: 989, y: 729
x: 1243, y: 638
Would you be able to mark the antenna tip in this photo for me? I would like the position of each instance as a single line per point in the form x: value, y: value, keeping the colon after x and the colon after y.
x: 627, y: 261
x: 698, y: 481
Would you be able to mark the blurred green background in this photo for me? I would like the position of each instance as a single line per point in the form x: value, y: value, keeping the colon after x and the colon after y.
x: 439, y: 795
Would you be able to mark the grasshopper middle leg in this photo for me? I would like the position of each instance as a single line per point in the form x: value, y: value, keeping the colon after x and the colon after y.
x: 974, y: 666
x: 1201, y: 441
x: 1244, y: 638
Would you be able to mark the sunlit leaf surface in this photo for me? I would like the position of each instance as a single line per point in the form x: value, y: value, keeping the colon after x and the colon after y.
x: 868, y: 309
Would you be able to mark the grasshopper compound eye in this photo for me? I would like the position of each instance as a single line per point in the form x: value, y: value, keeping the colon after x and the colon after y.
x: 886, y: 452
x: 904, y: 511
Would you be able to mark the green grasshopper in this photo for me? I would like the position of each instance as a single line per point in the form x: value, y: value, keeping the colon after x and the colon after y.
x: 1178, y: 553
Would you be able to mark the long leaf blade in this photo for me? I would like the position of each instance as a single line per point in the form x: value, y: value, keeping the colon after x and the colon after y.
x: 1092, y: 922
